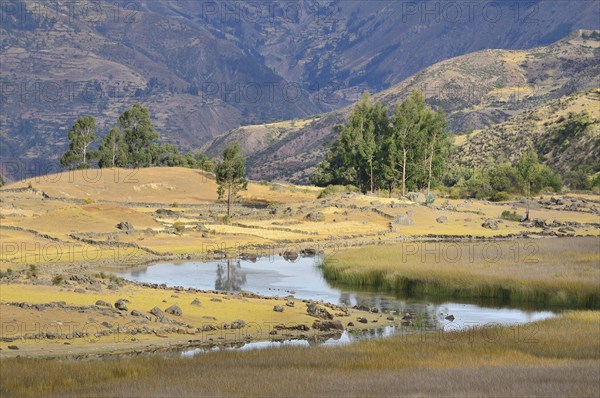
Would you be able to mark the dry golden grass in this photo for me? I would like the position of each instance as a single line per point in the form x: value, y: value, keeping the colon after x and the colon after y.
x: 557, y: 357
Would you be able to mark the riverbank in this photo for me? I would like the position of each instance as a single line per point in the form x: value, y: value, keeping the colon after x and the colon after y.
x: 554, y: 357
x: 553, y: 272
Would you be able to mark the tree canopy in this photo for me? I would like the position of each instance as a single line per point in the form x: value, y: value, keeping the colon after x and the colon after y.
x: 230, y: 175
x: 376, y: 151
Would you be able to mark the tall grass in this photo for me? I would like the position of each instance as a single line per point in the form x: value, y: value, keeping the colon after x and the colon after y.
x: 549, y: 272
x: 559, y: 356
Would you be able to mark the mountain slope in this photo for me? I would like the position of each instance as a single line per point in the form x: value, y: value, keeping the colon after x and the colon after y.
x: 475, y: 90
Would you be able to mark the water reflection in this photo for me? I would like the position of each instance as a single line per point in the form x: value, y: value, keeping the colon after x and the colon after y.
x: 230, y: 277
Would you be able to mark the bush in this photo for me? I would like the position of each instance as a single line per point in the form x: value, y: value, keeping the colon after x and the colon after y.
x: 88, y: 201
x: 175, y: 204
x: 429, y: 199
x: 57, y: 280
x: 510, y: 215
x: 333, y: 190
x: 500, y: 197
x: 179, y: 226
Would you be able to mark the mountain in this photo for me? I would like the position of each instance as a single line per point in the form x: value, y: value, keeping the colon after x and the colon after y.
x: 475, y: 90
x: 204, y: 67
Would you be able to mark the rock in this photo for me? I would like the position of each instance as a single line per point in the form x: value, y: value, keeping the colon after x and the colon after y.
x: 174, y: 310
x: 157, y: 312
x: 13, y: 347
x: 362, y: 320
x: 539, y: 223
x: 327, y: 325
x: 350, y: 324
x: 196, y: 302
x: 289, y: 303
x: 442, y: 219
x: 238, y: 324
x: 112, y: 286
x: 102, y: 303
x: 402, y: 219
x: 125, y: 226
x: 79, y: 290
x: 390, y: 318
x: 136, y: 313
x: 319, y: 312
x: 120, y: 305
x: 417, y: 197
x: 290, y: 256
x: 278, y: 308
x: 308, y: 252
x: 315, y: 216
x: 449, y: 318
x: 490, y: 224
x: 216, y: 300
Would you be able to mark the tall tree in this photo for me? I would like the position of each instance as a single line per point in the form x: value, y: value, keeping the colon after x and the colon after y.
x: 140, y: 136
x: 528, y: 170
x: 81, y: 136
x: 113, y: 149
x: 407, y: 122
x: 438, y: 143
x: 230, y: 175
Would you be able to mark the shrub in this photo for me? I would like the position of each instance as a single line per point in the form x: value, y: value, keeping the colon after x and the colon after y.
x: 429, y: 199
x: 332, y: 190
x: 500, y: 197
x: 179, y: 226
x: 57, y: 280
x: 32, y: 273
x: 88, y: 201
x: 175, y: 204
x: 510, y: 215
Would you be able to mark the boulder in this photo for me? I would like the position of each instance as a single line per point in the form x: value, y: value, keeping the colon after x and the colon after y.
x: 490, y: 224
x: 196, y: 302
x: 402, y: 219
x: 157, y: 312
x: 102, y: 303
x: 325, y: 326
x: 278, y: 308
x: 121, y: 305
x: 315, y: 216
x: 417, y: 197
x: 174, y: 310
x: 442, y: 219
x: 125, y: 226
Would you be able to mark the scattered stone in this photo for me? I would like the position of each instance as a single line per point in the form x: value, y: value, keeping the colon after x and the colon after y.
x: 350, y: 324
x: 13, y: 347
x: 79, y: 290
x: 362, y: 320
x: 327, y: 325
x: 449, y: 318
x: 157, y: 312
x: 290, y: 256
x: 174, y: 310
x: 401, y: 219
x: 442, y: 219
x: 289, y: 303
x: 315, y: 216
x: 490, y: 224
x: 319, y: 312
x: 278, y: 308
x: 196, y: 302
x: 120, y: 305
x: 125, y: 226
x: 390, y: 318
x: 216, y: 300
x: 102, y: 303
x: 416, y: 197
x: 136, y: 313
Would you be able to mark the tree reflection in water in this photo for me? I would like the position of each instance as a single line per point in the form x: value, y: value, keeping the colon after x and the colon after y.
x: 230, y: 276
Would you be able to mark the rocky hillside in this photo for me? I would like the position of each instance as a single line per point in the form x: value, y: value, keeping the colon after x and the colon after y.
x: 475, y: 90
x: 204, y: 67
x: 565, y: 132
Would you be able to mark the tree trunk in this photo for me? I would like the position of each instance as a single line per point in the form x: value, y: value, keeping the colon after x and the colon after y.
x: 527, y: 199
x: 228, y: 201
x: 404, y: 172
x: 372, y: 191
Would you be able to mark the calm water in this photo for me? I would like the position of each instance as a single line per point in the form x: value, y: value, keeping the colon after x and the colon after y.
x: 304, y: 280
